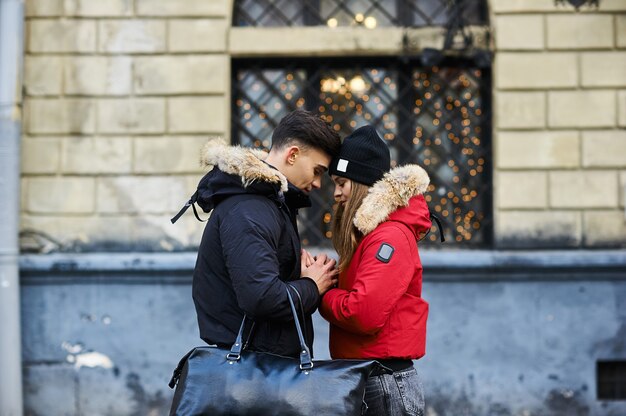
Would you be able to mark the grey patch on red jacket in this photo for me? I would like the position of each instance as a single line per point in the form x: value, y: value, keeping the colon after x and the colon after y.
x: 385, y: 251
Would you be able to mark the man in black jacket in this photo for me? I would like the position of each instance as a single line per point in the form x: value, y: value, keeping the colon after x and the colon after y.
x: 250, y: 250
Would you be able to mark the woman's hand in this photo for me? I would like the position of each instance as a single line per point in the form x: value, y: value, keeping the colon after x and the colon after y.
x: 306, y: 259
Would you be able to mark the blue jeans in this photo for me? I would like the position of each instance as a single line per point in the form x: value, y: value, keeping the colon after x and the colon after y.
x: 395, y: 394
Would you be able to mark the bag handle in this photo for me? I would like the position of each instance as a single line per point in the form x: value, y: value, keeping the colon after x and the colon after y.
x: 305, y: 355
x: 306, y: 363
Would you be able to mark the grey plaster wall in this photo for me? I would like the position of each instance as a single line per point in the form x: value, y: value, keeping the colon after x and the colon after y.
x: 106, y: 343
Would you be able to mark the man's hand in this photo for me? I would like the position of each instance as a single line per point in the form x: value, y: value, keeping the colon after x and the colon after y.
x: 322, y: 271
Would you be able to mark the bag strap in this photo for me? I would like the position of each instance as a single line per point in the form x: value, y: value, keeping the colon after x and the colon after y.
x: 306, y: 363
x: 305, y: 355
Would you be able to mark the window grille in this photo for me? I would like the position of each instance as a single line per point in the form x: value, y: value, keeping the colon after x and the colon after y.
x: 438, y: 117
x: 366, y: 13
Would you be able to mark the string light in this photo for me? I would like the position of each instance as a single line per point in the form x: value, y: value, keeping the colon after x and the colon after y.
x: 447, y: 132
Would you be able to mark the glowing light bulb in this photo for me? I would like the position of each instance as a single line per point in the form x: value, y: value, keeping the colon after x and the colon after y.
x: 370, y: 22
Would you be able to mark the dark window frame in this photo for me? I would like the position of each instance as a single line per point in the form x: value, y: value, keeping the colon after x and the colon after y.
x: 407, y: 65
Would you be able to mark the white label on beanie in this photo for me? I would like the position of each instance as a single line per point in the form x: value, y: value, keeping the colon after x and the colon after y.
x: 342, y: 165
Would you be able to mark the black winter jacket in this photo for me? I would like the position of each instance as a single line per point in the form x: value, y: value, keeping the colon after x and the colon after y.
x: 249, y: 254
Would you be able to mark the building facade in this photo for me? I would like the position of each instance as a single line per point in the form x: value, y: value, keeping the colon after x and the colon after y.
x: 523, y: 127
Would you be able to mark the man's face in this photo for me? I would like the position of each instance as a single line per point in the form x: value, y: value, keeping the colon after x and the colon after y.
x: 306, y: 167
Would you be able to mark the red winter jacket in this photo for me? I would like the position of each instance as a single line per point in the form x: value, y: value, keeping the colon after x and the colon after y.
x: 377, y: 310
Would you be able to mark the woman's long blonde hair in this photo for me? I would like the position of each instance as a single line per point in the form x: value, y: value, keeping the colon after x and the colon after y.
x: 346, y: 236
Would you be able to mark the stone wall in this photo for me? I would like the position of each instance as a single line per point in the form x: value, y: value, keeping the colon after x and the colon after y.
x: 559, y: 119
x: 120, y: 97
x: 121, y: 94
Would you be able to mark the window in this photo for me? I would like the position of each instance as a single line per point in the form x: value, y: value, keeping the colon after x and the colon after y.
x: 438, y: 117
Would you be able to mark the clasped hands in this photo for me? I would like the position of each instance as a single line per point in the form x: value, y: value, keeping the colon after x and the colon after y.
x: 321, y: 269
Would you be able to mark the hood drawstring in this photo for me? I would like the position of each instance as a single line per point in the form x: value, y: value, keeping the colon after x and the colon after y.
x: 439, y: 227
x: 191, y: 203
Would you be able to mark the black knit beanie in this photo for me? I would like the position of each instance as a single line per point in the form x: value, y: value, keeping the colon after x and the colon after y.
x: 363, y: 157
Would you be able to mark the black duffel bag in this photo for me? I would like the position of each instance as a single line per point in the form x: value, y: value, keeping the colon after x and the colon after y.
x: 214, y: 381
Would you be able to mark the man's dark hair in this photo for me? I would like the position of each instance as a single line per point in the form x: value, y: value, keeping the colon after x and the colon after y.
x: 307, y: 129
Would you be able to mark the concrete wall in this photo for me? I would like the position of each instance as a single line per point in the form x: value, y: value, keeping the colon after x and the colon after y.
x: 120, y: 95
x: 509, y: 334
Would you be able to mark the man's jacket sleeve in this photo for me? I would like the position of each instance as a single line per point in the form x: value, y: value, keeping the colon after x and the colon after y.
x: 250, y: 235
x: 365, y: 308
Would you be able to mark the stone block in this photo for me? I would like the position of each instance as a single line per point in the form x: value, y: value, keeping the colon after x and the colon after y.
x: 538, y: 150
x: 98, y: 8
x: 583, y: 109
x: 141, y: 194
x: 198, y: 114
x: 525, y: 6
x: 60, y: 195
x: 91, y: 233
x: 605, y: 228
x: 522, y: 190
x: 60, y: 116
x: 314, y: 41
x: 603, y: 69
x: 168, y: 154
x: 520, y: 110
x: 183, y: 8
x: 44, y: 8
x: 580, y: 31
x: 604, y: 148
x: 621, y: 108
x: 181, y: 74
x: 157, y: 229
x: 583, y: 189
x: 521, y: 6
x: 537, y: 229
x: 197, y: 35
x: 43, y: 75
x: 622, y: 188
x: 519, y: 32
x: 98, y: 75
x: 41, y: 155
x: 61, y: 36
x: 136, y: 115
x: 620, y: 28
x: 536, y: 70
x: 97, y: 155
x: 132, y: 36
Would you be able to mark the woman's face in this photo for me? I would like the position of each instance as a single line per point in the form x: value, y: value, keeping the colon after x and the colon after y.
x: 343, y: 189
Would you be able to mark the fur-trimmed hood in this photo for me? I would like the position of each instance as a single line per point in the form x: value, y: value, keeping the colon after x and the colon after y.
x: 243, y: 162
x: 393, y: 198
x: 239, y: 170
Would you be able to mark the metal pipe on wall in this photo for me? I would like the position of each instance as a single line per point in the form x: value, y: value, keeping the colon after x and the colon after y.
x: 11, y: 58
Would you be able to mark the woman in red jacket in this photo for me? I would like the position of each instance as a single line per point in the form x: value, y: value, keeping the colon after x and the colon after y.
x: 377, y: 310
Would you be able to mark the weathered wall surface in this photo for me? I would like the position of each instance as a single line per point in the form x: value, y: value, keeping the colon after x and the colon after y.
x: 522, y: 346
